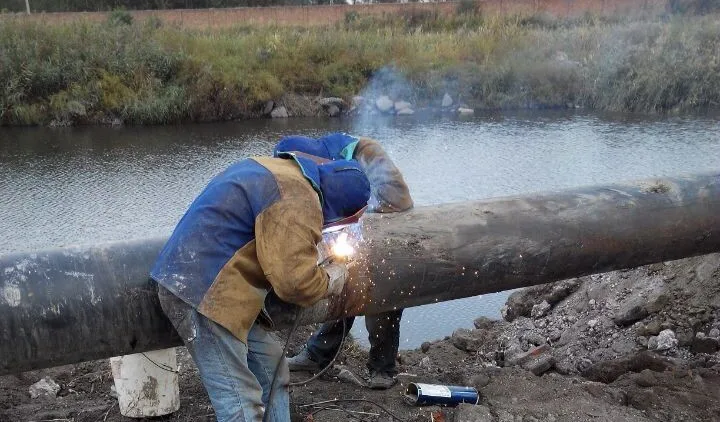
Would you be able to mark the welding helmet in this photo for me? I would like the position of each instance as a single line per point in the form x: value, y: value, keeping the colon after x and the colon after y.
x: 342, y: 185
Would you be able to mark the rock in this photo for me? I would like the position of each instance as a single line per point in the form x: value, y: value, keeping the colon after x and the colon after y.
x: 463, y: 111
x: 685, y: 337
x: 447, y: 100
x: 540, y: 310
x: 333, y: 110
x: 652, y: 343
x: 279, y: 113
x: 631, y: 311
x: 401, y: 105
x: 46, y: 387
x: 405, y: 112
x: 703, y: 344
x: 268, y: 107
x: 384, y: 104
x: 592, y: 323
x: 479, y: 380
x: 646, y: 378
x: 540, y: 364
x: 609, y: 370
x: 535, y: 339
x: 657, y: 303
x: 525, y: 357
x: 347, y: 375
x: 425, y: 363
x: 113, y: 392
x: 464, y: 339
x: 358, y: 100
x: 714, y: 333
x: 328, y: 101
x: 425, y: 347
x: 652, y: 328
x: 666, y: 340
x: 483, y: 323
x: 472, y: 413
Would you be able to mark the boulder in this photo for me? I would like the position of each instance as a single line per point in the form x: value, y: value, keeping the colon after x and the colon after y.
x: 384, y: 104
x: 447, y: 100
x: 268, y: 107
x: 279, y: 113
x: 401, y: 105
x: 333, y: 110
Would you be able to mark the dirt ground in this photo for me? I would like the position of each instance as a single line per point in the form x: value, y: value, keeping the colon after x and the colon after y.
x: 638, y: 345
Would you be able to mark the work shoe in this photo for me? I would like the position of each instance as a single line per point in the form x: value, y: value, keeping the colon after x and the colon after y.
x: 303, y: 362
x: 380, y: 381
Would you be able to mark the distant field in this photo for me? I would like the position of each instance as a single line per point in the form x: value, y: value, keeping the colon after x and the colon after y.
x: 329, y: 14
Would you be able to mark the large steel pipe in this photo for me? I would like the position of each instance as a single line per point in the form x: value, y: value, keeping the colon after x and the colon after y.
x: 74, y: 304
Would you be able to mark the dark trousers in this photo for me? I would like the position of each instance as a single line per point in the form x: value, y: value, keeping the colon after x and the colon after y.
x: 384, y: 336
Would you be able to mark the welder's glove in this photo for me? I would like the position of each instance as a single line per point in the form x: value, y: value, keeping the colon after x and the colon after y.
x: 337, y: 272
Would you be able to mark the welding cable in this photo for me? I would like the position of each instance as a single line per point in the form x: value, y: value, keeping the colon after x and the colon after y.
x: 296, y: 323
x: 392, y: 415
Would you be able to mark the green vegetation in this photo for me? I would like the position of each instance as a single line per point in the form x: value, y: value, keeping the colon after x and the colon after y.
x: 147, y: 72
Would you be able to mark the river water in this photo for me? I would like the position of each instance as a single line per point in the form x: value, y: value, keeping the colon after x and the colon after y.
x: 89, y: 185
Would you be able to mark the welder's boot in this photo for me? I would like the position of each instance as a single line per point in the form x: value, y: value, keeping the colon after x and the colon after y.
x: 303, y: 362
x: 380, y: 380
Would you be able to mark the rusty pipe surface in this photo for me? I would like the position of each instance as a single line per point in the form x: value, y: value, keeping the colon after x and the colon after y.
x: 82, y: 303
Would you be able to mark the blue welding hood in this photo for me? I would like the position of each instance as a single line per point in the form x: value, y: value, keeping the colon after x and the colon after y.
x: 342, y: 185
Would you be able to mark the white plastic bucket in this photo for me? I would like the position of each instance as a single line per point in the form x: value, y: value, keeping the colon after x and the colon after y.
x: 147, y: 383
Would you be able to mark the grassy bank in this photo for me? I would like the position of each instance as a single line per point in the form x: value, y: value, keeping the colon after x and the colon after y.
x: 147, y: 72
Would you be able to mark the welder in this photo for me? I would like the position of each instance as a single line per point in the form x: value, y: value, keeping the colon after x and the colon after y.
x: 389, y: 193
x: 255, y: 227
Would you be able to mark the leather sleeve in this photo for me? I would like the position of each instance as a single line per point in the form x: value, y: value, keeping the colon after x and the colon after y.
x: 286, y: 236
x: 390, y: 193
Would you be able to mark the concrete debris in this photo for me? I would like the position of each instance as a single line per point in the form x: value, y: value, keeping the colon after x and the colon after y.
x: 46, y: 387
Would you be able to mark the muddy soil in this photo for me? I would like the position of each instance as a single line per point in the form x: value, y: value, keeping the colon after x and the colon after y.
x: 639, y: 345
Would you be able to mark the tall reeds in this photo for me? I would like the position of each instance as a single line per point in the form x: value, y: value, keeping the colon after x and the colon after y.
x: 147, y: 72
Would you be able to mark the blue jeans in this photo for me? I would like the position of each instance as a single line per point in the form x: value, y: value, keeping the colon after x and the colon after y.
x: 236, y: 376
x: 383, y: 334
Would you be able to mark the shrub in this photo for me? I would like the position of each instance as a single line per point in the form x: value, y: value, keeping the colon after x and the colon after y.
x: 120, y: 17
x: 467, y: 7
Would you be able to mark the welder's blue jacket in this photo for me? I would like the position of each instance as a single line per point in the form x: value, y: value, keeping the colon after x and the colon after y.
x: 389, y: 192
x: 256, y: 227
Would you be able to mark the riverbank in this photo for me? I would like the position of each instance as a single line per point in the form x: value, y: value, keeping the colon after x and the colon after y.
x: 635, y: 345
x: 152, y: 73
